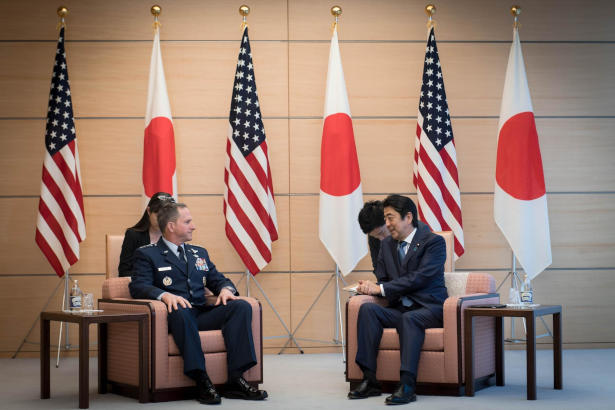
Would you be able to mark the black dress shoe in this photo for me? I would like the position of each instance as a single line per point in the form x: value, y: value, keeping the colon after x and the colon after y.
x: 366, y: 389
x: 241, y: 389
x: 207, y: 393
x: 403, y: 395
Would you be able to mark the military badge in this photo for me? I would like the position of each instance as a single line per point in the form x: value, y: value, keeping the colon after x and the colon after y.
x: 201, y: 264
x: 167, y: 281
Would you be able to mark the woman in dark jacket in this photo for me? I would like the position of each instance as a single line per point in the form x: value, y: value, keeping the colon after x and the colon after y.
x: 146, y: 231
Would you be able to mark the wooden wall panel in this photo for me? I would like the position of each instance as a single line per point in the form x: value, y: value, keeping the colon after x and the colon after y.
x: 201, y: 154
x: 568, y: 50
x: 391, y: 90
x: 110, y: 78
x: 473, y: 77
x: 20, y: 310
x: 114, y: 148
x: 113, y: 152
x: 379, y: 143
x: 22, y: 155
x: 25, y: 77
x: 487, y: 20
x: 576, y: 154
x: 110, y: 215
x: 583, y: 294
x: 207, y: 213
x: 581, y: 232
x: 318, y: 327
x: 119, y: 20
x: 277, y: 288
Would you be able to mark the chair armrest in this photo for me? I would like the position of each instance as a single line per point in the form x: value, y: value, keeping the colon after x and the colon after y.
x: 157, y: 329
x: 353, y: 305
x: 453, y: 329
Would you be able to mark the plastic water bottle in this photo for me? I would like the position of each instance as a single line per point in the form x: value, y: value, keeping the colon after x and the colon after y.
x: 76, y: 298
x: 527, y: 294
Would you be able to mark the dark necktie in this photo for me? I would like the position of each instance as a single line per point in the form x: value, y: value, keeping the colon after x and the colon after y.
x: 401, y: 253
x: 182, y: 256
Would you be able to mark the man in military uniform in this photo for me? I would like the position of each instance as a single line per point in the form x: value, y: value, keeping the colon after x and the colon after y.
x: 177, y: 274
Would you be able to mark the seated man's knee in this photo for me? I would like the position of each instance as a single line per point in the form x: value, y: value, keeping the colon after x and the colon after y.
x: 368, y: 310
x: 180, y: 314
x: 413, y: 318
x: 240, y: 306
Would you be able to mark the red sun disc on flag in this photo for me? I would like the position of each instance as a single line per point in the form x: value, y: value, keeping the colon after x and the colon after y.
x: 519, y: 164
x: 339, y: 168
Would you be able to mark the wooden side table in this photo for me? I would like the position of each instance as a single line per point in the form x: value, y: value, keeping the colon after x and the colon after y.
x: 530, y: 314
x: 84, y: 320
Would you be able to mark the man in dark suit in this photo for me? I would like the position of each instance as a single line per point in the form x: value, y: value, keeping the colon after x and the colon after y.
x: 410, y: 273
x: 177, y: 274
x: 371, y: 221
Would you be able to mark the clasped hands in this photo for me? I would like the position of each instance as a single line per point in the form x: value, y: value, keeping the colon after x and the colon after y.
x: 173, y: 301
x: 367, y: 287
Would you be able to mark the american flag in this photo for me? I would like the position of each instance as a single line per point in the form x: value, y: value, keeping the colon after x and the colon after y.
x: 60, y: 225
x: 435, y: 159
x: 249, y: 208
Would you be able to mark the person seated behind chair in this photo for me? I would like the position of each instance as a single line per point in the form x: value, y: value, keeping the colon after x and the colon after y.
x: 371, y: 220
x: 176, y: 273
x: 145, y: 231
x: 410, y: 273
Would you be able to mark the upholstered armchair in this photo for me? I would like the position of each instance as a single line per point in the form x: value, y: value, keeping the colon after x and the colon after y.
x: 441, y: 364
x: 166, y: 380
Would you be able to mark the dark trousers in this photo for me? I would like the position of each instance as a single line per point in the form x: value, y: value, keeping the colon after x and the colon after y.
x: 410, y: 324
x: 235, y: 321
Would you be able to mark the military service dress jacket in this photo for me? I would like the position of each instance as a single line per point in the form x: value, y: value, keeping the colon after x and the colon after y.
x: 158, y: 270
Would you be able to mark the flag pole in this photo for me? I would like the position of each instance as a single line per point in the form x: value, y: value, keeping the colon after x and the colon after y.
x: 515, y: 281
x: 65, y: 307
x: 244, y: 11
x: 62, y: 13
x: 338, y: 330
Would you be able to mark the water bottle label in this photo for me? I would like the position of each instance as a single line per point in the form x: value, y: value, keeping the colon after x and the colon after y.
x: 75, y: 302
x: 527, y: 297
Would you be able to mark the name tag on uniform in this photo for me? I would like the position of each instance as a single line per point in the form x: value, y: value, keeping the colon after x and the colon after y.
x: 164, y: 268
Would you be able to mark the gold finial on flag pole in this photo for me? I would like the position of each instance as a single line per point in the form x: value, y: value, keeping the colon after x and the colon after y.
x: 62, y: 12
x: 244, y: 10
x: 515, y: 11
x: 336, y: 11
x: 156, y: 10
x: 430, y: 10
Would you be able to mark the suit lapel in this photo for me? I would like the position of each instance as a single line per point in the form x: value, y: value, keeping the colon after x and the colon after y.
x: 415, y: 245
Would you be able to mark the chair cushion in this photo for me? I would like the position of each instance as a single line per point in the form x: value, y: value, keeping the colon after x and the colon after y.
x: 212, y: 341
x: 434, y: 340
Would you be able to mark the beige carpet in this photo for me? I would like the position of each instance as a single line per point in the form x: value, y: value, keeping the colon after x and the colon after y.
x: 316, y: 381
